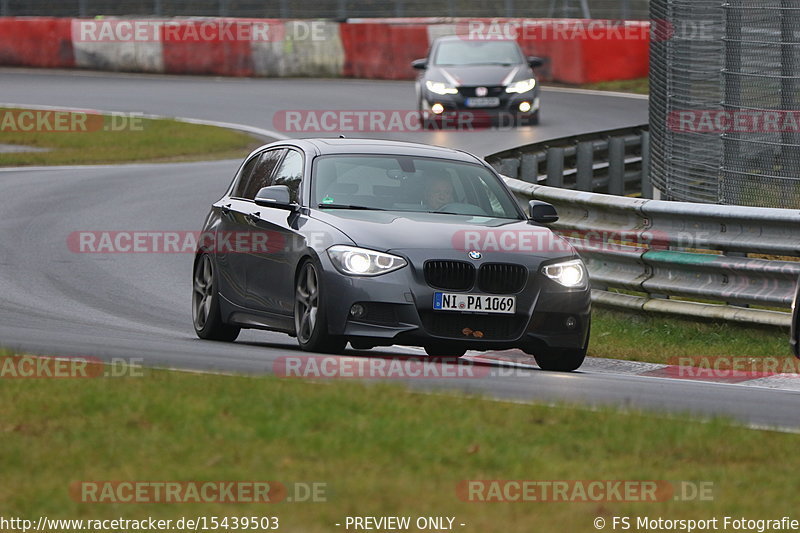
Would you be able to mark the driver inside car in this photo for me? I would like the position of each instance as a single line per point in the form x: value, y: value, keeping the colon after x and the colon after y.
x: 438, y: 193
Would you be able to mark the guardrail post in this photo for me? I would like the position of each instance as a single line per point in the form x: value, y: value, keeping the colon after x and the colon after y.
x: 158, y: 8
x: 4, y: 8
x: 82, y: 9
x: 529, y: 168
x: 647, y: 185
x: 584, y: 166
x: 616, y: 166
x: 341, y: 9
x: 223, y: 8
x: 509, y: 166
x: 555, y: 167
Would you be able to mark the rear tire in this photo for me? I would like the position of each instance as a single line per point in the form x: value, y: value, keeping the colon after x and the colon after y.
x: 561, y: 360
x: 206, y: 315
x: 310, y: 313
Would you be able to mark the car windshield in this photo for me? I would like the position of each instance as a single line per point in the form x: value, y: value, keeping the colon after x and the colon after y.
x: 464, y: 53
x: 403, y: 183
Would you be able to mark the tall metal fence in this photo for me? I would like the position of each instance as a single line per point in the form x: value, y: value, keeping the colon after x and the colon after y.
x: 333, y: 9
x: 725, y: 108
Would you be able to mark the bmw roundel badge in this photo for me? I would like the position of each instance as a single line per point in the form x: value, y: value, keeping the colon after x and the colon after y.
x: 474, y: 254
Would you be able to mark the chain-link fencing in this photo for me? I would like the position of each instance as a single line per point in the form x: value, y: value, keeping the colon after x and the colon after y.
x: 725, y: 115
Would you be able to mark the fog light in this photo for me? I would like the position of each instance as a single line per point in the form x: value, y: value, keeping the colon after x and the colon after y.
x: 525, y: 107
x: 437, y: 109
x: 570, y: 322
x: 357, y: 311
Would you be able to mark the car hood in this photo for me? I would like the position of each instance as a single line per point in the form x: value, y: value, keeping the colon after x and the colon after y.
x: 388, y: 231
x: 489, y: 75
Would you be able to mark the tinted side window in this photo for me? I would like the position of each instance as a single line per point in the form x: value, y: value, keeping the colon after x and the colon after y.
x: 290, y: 173
x: 244, y: 177
x: 262, y: 175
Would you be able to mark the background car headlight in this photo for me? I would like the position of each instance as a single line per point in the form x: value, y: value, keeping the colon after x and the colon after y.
x: 569, y: 273
x: 362, y: 262
x: 440, y: 88
x: 521, y: 86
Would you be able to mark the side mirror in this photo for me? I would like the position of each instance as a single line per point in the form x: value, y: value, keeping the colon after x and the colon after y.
x: 542, y: 212
x: 274, y: 196
x: 535, y: 62
x: 419, y: 64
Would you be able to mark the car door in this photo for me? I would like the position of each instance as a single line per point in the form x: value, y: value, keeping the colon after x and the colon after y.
x: 237, y: 213
x: 270, y: 272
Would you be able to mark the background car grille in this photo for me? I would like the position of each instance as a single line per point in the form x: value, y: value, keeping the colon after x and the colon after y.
x: 450, y: 275
x: 452, y: 325
x: 491, y: 91
x: 502, y: 278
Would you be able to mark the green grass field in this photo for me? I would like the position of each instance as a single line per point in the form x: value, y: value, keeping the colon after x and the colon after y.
x: 659, y: 338
x: 379, y: 449
x: 93, y: 140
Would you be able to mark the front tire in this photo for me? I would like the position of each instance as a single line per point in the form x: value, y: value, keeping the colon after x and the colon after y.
x: 310, y: 315
x: 206, y: 315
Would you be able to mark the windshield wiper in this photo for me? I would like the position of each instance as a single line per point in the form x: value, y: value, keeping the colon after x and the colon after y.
x: 349, y: 206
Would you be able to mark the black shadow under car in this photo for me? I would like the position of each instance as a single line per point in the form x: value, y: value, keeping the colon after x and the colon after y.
x: 379, y: 243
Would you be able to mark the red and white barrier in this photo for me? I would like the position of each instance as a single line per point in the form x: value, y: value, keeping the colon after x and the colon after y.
x: 575, y: 51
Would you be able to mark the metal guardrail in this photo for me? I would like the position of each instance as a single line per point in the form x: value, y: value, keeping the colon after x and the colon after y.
x: 613, y: 162
x: 699, y: 260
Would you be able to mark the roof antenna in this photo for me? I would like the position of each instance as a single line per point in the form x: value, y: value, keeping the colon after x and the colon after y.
x: 342, y: 137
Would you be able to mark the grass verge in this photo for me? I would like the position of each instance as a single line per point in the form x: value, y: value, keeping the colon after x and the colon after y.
x: 659, y: 338
x: 82, y: 139
x: 638, y: 86
x: 379, y: 449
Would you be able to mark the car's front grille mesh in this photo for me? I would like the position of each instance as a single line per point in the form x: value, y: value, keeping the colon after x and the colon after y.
x: 494, y: 278
x: 449, y: 275
x: 502, y: 278
x: 490, y: 91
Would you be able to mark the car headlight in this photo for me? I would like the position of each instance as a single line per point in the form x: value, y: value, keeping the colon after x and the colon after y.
x: 521, y: 86
x: 440, y: 88
x: 568, y: 273
x: 362, y: 262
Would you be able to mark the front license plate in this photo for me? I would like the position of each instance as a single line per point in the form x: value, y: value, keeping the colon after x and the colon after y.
x: 489, y: 101
x: 481, y: 303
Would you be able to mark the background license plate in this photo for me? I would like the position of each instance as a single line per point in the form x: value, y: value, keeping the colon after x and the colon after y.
x: 489, y: 101
x: 481, y: 303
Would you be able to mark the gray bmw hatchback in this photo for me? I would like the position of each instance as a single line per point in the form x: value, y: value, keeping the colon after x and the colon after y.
x: 378, y: 243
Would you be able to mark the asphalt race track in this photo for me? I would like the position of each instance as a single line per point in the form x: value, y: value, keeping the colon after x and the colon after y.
x: 55, y: 301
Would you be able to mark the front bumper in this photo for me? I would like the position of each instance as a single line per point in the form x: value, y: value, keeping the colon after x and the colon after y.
x: 399, y: 310
x: 509, y: 103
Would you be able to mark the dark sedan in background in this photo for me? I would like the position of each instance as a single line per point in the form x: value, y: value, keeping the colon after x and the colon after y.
x: 485, y: 77
x: 381, y: 242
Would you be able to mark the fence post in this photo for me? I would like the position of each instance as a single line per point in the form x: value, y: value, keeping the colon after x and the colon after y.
x: 509, y: 5
x: 584, y: 166
x: 82, y: 8
x: 616, y: 166
x: 555, y: 167
x: 4, y: 8
x: 647, y: 185
x: 341, y: 9
x: 223, y: 8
